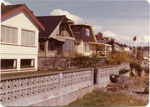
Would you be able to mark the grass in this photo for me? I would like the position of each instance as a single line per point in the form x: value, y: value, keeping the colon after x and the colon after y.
x: 100, y: 98
x: 26, y: 73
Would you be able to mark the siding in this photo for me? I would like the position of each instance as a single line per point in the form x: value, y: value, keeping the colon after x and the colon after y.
x: 81, y: 35
x: 21, y: 21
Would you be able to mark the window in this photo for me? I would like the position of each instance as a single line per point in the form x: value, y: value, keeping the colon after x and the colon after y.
x: 69, y: 46
x: 28, y: 38
x: 8, y: 63
x: 87, y: 32
x: 9, y: 35
x: 86, y: 47
x: 27, y: 63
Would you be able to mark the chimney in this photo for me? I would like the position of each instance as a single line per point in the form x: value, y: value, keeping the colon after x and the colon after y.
x: 99, y: 35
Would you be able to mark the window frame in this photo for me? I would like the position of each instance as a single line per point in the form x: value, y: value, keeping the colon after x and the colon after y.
x: 28, y: 38
x: 13, y: 68
x: 27, y: 67
x: 87, y: 32
x: 5, y: 35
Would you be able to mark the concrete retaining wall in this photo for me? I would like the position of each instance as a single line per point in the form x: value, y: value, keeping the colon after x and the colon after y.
x: 103, y: 73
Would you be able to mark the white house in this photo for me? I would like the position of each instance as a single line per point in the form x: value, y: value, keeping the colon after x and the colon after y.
x: 19, y: 38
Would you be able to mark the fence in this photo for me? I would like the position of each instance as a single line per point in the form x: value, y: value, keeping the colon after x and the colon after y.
x: 29, y: 90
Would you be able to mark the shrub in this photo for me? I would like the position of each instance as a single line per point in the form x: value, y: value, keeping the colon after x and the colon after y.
x: 81, y: 61
x: 136, y: 66
x: 122, y: 71
x: 118, y: 57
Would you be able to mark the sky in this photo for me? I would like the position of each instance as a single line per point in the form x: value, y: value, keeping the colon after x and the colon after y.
x: 119, y: 19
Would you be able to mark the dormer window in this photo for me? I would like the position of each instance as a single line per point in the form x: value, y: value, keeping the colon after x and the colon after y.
x: 87, y: 32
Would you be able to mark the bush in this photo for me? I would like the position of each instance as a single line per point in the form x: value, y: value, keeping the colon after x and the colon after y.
x: 119, y: 57
x: 136, y: 66
x: 81, y: 61
x: 122, y: 71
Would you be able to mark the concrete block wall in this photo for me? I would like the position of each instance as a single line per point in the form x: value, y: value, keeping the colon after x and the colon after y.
x: 55, y: 88
x: 29, y: 90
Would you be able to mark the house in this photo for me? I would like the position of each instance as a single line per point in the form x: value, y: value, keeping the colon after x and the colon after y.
x: 19, y: 38
x: 83, y: 35
x: 117, y: 47
x: 86, y: 42
x: 57, y: 40
x: 126, y: 49
x: 107, y: 44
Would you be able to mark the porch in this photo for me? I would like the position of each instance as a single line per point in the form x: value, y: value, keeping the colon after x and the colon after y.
x: 103, y: 50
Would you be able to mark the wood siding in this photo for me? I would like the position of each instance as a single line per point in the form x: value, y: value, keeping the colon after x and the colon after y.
x: 20, y: 21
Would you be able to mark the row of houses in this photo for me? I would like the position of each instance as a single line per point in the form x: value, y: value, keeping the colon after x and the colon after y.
x: 26, y: 37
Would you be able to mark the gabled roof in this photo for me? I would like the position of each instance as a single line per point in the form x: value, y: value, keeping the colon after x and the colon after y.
x: 81, y: 36
x: 11, y: 9
x: 50, y: 23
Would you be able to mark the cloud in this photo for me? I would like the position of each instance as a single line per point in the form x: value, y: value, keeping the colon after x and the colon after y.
x: 73, y: 17
x: 96, y: 28
x: 109, y: 34
x: 140, y: 40
x: 6, y: 2
x: 118, y: 38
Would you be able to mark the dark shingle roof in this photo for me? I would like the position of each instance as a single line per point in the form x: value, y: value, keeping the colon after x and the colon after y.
x: 50, y: 23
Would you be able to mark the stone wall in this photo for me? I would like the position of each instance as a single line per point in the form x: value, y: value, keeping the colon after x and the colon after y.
x: 55, y: 88
x: 46, y: 63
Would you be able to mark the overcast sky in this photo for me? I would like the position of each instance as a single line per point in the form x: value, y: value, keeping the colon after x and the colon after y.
x: 119, y: 19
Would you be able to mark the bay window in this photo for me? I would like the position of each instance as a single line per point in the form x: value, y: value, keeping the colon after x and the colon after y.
x: 69, y: 46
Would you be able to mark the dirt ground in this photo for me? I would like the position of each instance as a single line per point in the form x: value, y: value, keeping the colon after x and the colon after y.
x: 134, y: 86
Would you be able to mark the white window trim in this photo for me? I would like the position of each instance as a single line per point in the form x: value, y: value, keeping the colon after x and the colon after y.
x: 87, y: 30
x: 25, y: 37
x: 5, y: 35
